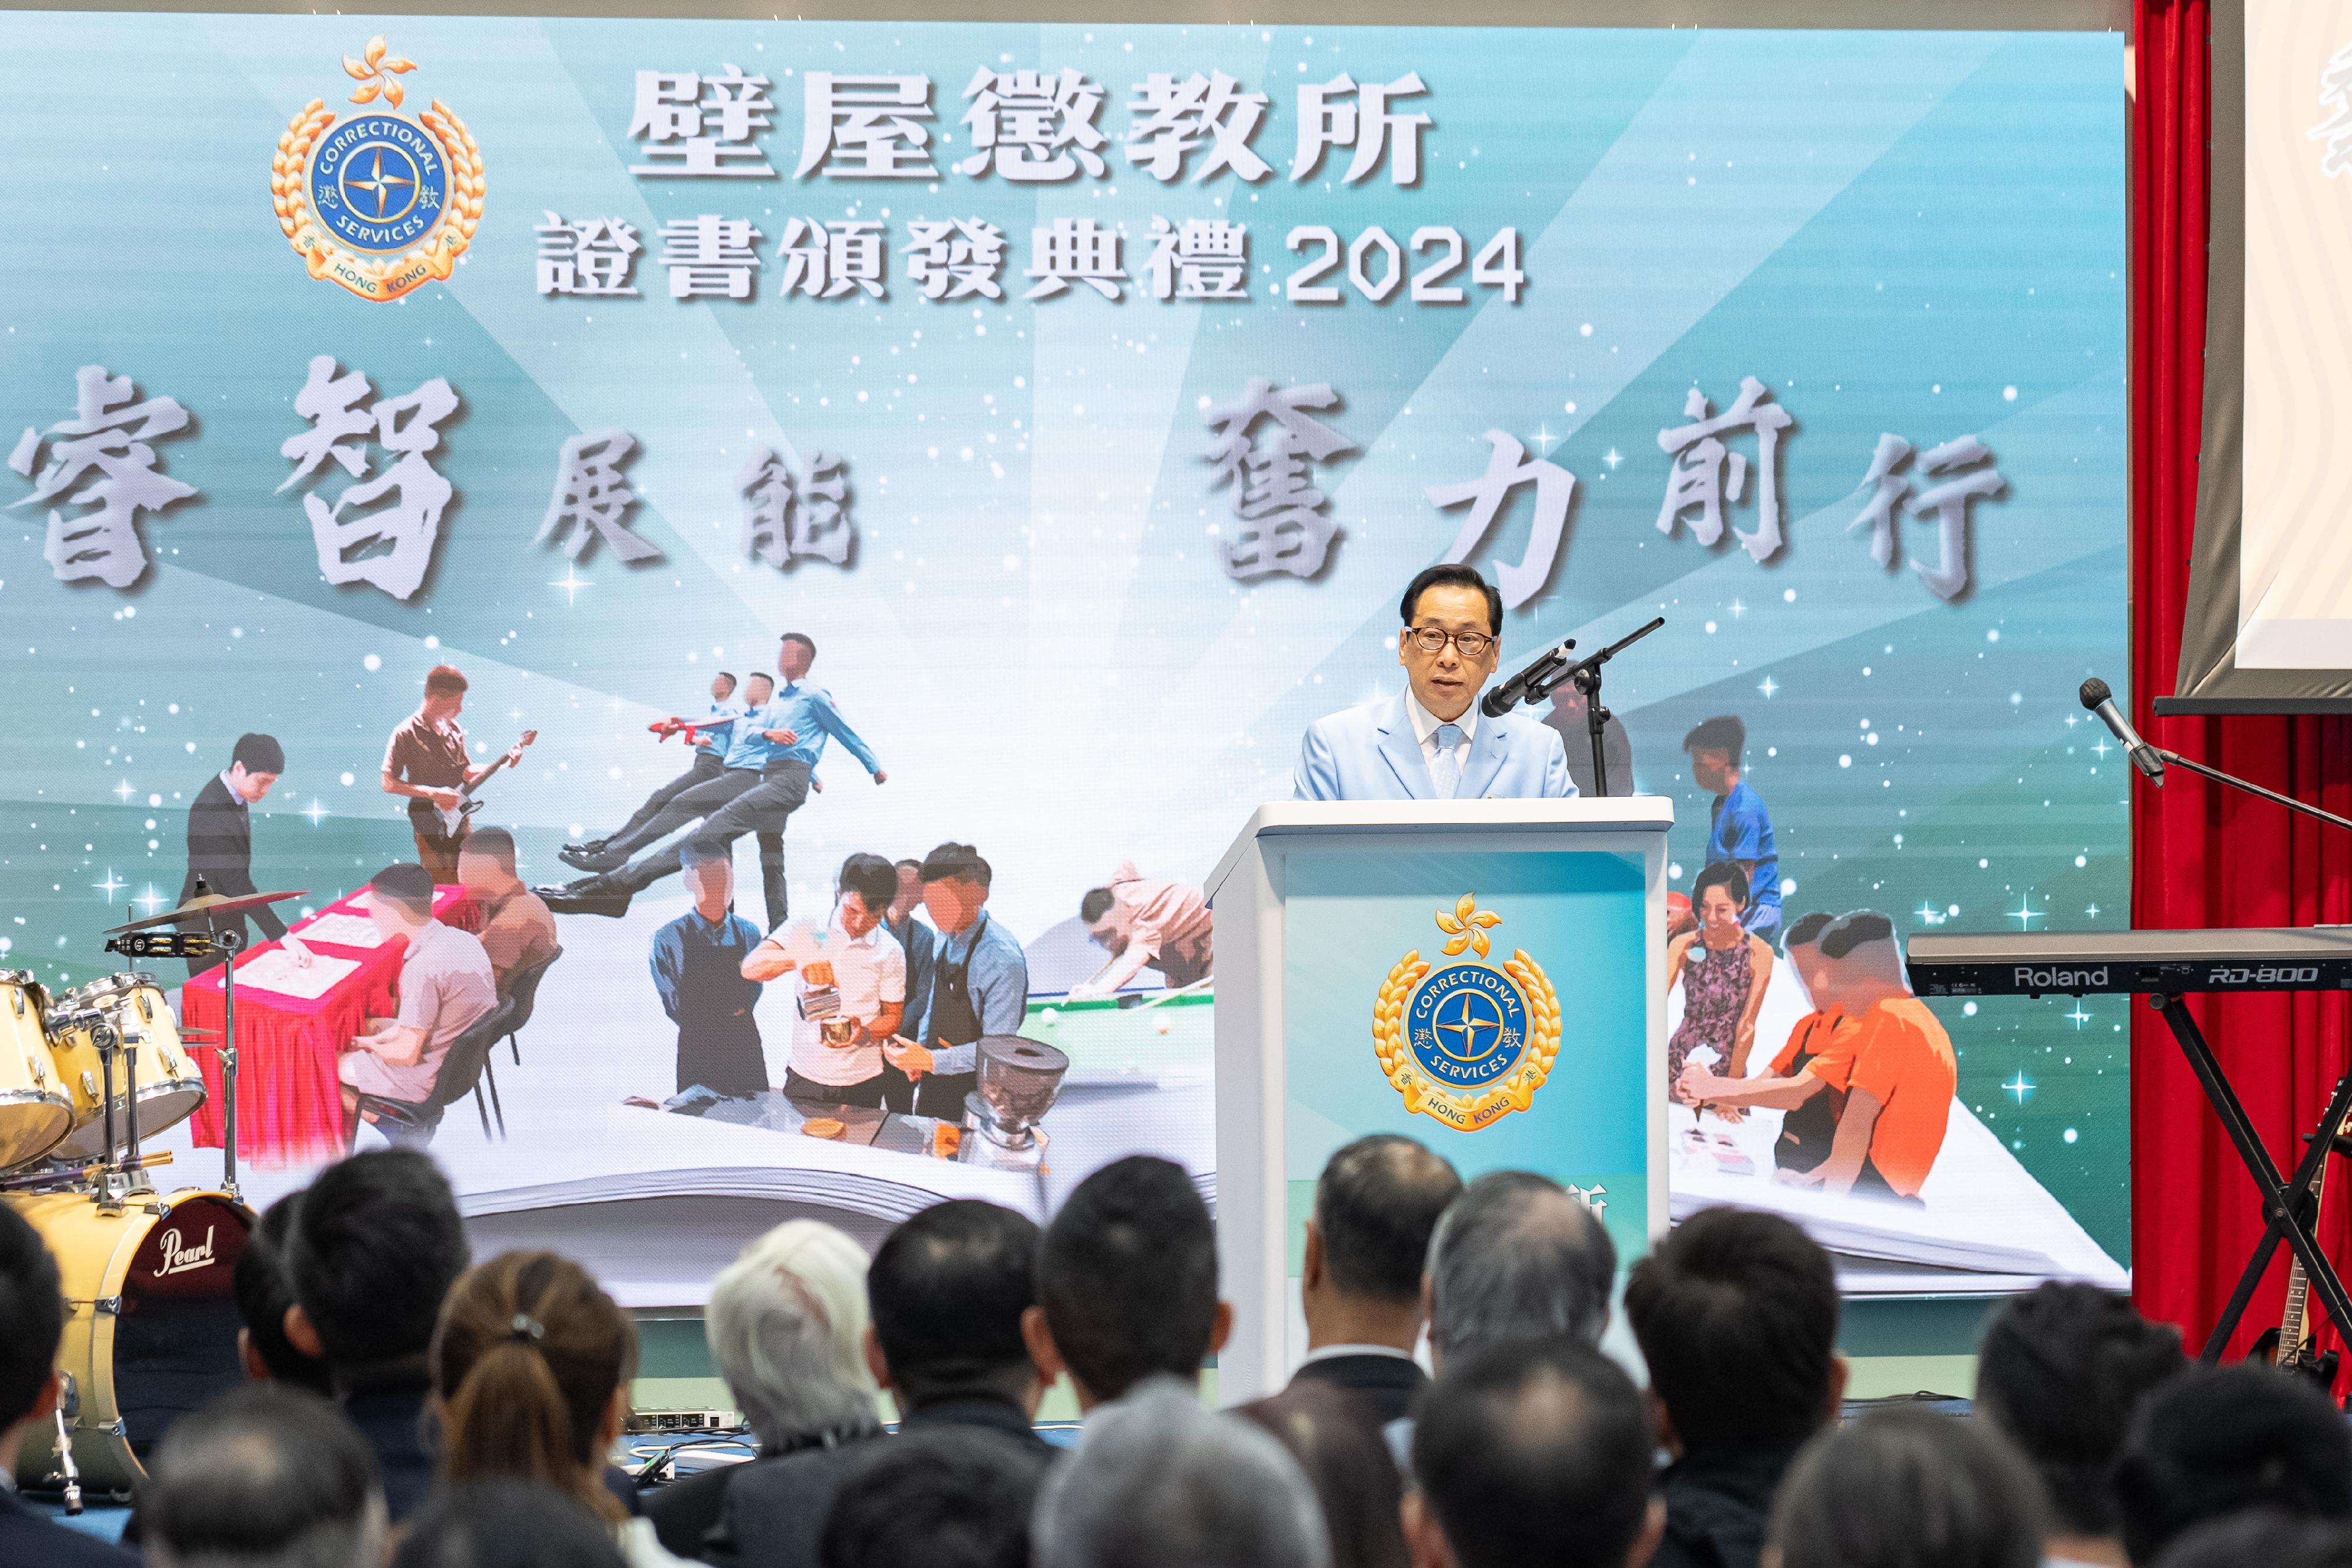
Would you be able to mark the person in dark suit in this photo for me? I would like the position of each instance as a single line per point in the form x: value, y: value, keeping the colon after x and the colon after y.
x: 787, y: 1326
x: 220, y: 839
x: 33, y: 1316
x: 1367, y: 1243
x: 947, y: 1291
x: 377, y: 1242
x: 265, y: 1474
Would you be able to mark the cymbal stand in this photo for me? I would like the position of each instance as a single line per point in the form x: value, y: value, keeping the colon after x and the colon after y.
x: 230, y: 942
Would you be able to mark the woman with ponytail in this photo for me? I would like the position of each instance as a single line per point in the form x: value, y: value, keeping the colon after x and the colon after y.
x: 531, y: 1366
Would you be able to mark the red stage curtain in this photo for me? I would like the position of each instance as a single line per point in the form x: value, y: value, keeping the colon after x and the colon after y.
x: 2203, y: 855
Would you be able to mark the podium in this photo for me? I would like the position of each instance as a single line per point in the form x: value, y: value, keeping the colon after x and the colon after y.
x: 1487, y: 976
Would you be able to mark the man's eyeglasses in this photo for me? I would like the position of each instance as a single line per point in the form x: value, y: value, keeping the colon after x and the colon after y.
x: 1430, y: 640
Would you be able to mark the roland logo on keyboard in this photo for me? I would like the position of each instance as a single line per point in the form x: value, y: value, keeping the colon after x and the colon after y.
x: 2027, y: 978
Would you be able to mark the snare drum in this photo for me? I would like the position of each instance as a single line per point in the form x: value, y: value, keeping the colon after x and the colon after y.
x: 151, y: 1330
x: 36, y: 1108
x: 170, y: 1088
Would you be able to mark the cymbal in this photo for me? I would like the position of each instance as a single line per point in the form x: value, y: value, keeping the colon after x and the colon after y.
x: 210, y: 903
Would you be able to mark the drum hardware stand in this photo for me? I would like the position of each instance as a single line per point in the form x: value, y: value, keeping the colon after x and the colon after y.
x: 1585, y: 676
x: 189, y: 944
x: 68, y: 1410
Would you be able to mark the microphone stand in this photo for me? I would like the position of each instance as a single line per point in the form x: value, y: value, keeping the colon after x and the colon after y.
x: 1585, y: 675
x: 2174, y: 759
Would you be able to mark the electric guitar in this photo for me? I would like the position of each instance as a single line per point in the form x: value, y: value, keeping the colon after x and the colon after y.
x: 2288, y: 1346
x: 453, y: 818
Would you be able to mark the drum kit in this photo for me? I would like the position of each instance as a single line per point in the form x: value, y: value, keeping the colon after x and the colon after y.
x: 149, y: 1277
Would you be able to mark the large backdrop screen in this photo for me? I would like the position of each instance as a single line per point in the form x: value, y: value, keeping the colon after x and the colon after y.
x: 1084, y: 395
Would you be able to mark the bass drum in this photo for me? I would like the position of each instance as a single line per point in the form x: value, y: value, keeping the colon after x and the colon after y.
x: 151, y: 1325
x: 36, y: 1110
x: 170, y: 1088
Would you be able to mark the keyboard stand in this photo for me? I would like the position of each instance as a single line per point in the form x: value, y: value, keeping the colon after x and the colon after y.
x: 2289, y: 1209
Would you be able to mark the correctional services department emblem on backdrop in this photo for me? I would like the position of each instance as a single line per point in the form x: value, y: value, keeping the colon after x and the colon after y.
x: 1469, y: 1042
x: 381, y: 203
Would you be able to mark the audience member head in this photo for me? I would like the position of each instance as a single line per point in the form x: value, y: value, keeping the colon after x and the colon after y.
x: 400, y: 899
x: 1803, y: 942
x: 709, y: 867
x: 375, y: 1246
x: 505, y: 1524
x: 531, y: 1365
x: 787, y: 1325
x: 1515, y: 1257
x: 1158, y: 1483
x: 1353, y: 1472
x: 1533, y: 1453
x: 486, y: 863
x: 1907, y: 1489
x: 2271, y: 1540
x: 264, y: 1291
x: 2059, y: 1375
x: 33, y: 1309
x: 254, y: 766
x: 263, y: 1476
x: 2220, y: 1440
x: 1377, y: 1202
x: 867, y: 884
x: 948, y: 1289
x: 955, y: 886
x: 1737, y: 1315
x: 949, y: 1496
x: 1127, y: 1283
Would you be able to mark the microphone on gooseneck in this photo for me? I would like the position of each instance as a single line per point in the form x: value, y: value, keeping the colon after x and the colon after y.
x: 2101, y: 701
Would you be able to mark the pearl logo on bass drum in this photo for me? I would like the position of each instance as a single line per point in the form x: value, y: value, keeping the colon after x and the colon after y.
x: 178, y: 1257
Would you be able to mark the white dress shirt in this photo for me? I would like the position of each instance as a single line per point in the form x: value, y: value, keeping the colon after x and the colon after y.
x: 1424, y: 728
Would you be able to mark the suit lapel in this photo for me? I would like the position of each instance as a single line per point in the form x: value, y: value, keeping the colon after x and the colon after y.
x: 1488, y: 749
x: 1402, y: 749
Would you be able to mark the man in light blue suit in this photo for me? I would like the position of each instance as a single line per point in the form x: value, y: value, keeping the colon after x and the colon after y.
x: 1432, y: 743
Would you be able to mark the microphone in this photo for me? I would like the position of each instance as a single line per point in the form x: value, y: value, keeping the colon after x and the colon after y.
x: 1510, y: 695
x: 2102, y: 701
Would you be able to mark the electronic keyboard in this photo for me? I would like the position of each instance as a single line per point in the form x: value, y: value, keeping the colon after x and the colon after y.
x: 2122, y: 963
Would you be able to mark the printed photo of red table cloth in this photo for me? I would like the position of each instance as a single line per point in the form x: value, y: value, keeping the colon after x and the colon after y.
x: 289, y: 1108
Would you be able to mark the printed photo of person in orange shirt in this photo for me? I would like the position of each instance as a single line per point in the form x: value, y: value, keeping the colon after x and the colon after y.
x: 1899, y: 1090
x: 1868, y: 1077
x: 1808, y: 1078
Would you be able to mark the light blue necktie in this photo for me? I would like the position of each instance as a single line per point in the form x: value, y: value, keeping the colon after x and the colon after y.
x: 1443, y: 770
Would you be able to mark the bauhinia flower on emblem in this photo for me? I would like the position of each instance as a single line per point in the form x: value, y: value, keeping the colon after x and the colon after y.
x: 376, y: 73
x: 1467, y: 925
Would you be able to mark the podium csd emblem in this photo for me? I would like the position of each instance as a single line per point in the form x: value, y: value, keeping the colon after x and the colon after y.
x: 1468, y: 1042
x: 378, y: 201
